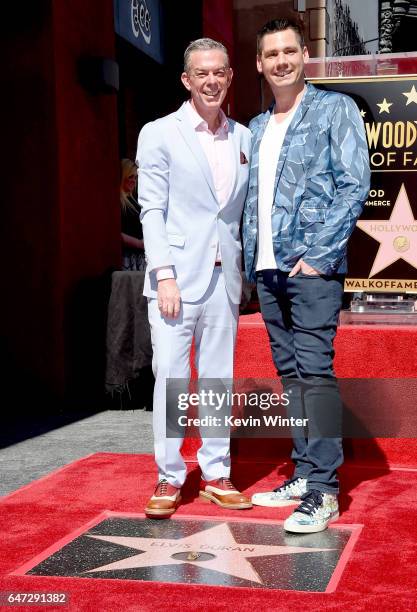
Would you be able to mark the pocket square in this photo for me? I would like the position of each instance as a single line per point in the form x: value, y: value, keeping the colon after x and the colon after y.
x: 243, y: 159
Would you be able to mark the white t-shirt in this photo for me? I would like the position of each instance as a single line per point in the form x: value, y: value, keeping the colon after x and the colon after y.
x: 269, y: 152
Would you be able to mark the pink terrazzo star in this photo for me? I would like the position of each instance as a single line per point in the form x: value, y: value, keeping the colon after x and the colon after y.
x: 230, y: 558
x: 397, y: 235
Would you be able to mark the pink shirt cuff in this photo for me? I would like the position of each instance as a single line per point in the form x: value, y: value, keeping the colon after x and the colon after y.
x: 164, y: 273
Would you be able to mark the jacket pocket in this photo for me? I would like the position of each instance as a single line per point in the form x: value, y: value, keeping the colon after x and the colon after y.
x: 176, y: 240
x: 310, y: 223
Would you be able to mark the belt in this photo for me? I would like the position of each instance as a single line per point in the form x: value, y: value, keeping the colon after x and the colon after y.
x: 217, y: 264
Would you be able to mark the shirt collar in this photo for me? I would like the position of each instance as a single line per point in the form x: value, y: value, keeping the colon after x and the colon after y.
x: 198, y: 122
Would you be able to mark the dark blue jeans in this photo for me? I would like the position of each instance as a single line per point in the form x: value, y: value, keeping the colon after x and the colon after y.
x: 301, y: 315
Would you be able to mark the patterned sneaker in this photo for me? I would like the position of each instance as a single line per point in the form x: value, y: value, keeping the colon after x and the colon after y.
x: 314, y: 513
x: 287, y: 494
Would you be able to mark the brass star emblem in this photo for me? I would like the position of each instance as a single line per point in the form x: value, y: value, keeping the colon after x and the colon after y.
x: 411, y: 95
x: 384, y: 106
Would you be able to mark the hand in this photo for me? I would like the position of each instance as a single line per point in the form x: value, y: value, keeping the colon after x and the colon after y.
x: 303, y: 267
x: 169, y: 298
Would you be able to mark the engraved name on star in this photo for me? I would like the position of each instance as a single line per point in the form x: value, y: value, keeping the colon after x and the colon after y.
x: 397, y: 236
x: 411, y: 95
x: 384, y: 106
x: 230, y: 557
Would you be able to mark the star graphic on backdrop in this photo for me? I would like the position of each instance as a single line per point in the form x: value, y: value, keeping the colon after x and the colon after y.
x: 230, y: 557
x: 384, y: 106
x: 411, y: 95
x: 363, y: 114
x: 395, y: 235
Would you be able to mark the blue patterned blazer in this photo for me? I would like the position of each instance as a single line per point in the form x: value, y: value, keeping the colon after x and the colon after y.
x: 321, y: 184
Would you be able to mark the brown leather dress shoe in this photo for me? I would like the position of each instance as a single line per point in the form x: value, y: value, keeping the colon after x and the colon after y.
x: 224, y: 494
x: 164, y: 501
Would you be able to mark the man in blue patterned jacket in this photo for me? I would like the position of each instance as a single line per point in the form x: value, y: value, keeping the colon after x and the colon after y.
x: 308, y: 181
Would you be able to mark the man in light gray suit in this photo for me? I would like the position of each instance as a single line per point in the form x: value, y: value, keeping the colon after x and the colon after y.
x: 193, y: 181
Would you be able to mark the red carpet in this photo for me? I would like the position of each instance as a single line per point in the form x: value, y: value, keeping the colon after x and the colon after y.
x: 379, y: 574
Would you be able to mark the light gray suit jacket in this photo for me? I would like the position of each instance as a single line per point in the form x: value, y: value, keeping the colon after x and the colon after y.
x: 181, y: 217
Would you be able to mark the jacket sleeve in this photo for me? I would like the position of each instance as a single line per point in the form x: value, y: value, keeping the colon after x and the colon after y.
x: 153, y: 193
x: 349, y: 161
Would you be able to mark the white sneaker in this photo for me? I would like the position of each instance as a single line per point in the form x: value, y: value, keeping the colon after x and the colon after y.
x: 287, y: 494
x: 315, y: 512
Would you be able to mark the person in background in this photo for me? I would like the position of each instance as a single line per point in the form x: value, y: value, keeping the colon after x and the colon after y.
x: 129, y: 377
x: 133, y: 253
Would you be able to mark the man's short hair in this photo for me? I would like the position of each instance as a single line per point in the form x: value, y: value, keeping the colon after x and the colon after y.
x: 203, y: 44
x: 278, y: 25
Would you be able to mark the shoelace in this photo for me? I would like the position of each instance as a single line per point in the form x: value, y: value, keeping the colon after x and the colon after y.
x: 161, y: 487
x: 227, y: 482
x: 287, y: 483
x: 310, y: 501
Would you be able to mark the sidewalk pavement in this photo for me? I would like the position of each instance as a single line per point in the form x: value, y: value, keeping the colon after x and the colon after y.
x: 30, y: 449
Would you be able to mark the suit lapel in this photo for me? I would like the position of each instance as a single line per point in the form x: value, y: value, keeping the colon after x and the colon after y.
x: 235, y: 141
x: 188, y: 133
x: 252, y: 198
x: 259, y: 135
x: 303, y: 107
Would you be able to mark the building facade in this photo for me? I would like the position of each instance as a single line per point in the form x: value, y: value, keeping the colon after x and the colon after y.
x: 398, y: 24
x: 81, y: 79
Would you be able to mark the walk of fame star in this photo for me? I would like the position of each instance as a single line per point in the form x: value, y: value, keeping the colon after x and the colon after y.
x: 397, y: 236
x: 196, y: 550
x: 227, y: 556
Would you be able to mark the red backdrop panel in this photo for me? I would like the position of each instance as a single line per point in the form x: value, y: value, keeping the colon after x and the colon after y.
x: 218, y: 24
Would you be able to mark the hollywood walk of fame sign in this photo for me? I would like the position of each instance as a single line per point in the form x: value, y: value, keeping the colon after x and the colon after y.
x: 382, y: 252
x: 201, y: 551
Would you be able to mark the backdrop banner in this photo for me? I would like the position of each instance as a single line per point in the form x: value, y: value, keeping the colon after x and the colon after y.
x: 382, y: 252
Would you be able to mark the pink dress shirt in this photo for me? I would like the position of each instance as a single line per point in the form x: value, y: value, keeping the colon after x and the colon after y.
x: 220, y: 156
